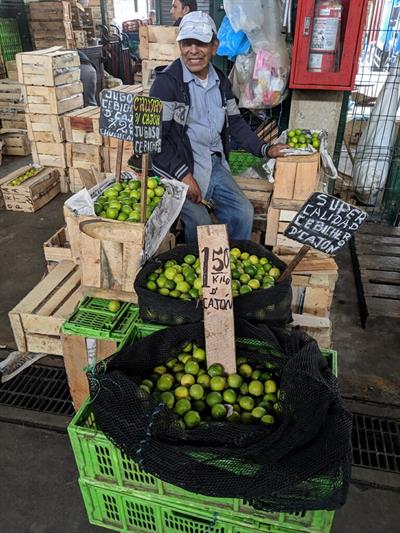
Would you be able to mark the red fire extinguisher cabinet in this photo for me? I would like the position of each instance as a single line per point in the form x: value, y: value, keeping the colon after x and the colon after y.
x: 334, y: 67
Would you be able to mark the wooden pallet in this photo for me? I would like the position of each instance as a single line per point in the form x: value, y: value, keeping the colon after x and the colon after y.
x: 57, y: 248
x: 33, y: 193
x: 378, y: 253
x: 45, y: 128
x: 53, y: 100
x: 49, y: 67
x: 49, y: 154
x: 158, y: 42
x: 37, y: 319
x: 82, y: 126
x: 15, y: 142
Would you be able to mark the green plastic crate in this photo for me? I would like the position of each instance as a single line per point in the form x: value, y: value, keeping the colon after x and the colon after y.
x: 93, y: 319
x: 10, y: 42
x: 239, y: 161
x: 106, y: 469
x: 143, y: 329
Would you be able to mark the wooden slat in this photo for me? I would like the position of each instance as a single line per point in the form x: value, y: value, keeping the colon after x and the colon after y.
x: 379, y: 230
x: 54, y: 302
x: 391, y: 292
x: 383, y: 307
x: 375, y: 262
x: 380, y: 276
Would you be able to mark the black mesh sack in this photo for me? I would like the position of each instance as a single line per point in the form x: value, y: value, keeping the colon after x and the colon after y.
x: 302, y: 463
x: 264, y: 305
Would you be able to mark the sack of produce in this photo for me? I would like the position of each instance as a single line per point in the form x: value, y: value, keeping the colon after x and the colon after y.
x: 275, y: 433
x: 169, y: 286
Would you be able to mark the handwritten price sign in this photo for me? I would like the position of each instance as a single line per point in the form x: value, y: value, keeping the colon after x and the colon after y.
x: 217, y: 296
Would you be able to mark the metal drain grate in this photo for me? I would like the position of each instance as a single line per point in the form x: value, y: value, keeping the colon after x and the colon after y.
x: 376, y: 443
x: 39, y: 388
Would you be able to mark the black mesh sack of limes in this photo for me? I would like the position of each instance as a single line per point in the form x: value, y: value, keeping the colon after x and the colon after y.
x: 169, y: 286
x: 275, y: 433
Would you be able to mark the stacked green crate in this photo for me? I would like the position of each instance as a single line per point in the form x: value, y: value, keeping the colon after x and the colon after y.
x: 10, y: 41
x: 239, y: 161
x: 119, y: 495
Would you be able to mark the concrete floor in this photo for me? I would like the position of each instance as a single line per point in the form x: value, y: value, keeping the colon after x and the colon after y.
x: 38, y: 476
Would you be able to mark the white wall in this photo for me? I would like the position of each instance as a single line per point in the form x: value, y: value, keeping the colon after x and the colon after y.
x: 125, y: 10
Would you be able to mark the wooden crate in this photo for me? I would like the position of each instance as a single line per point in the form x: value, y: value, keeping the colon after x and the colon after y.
x: 258, y: 191
x: 11, y: 96
x: 2, y: 181
x: 49, y: 67
x: 84, y: 156
x: 49, y: 154
x: 37, y: 319
x: 45, y: 128
x: 110, y: 157
x: 49, y: 11
x: 15, y: 142
x: 79, y: 178
x: 148, y: 70
x: 80, y: 38
x: 13, y: 118
x: 296, y: 178
x: 57, y: 248
x: 82, y: 126
x: 158, y: 42
x: 317, y: 327
x: 33, y: 193
x: 53, y: 100
x: 313, y: 293
x: 12, y: 73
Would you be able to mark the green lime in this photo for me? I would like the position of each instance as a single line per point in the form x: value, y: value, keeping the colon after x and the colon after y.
x: 275, y: 273
x: 182, y: 286
x: 235, y: 380
x: 161, y: 281
x: 171, y: 362
x: 270, y: 386
x: 179, y: 367
x: 244, y: 388
x: 229, y: 396
x: 237, y: 408
x: 170, y: 285
x: 258, y: 412
x: 251, y: 271
x: 245, y: 370
x: 148, y: 383
x: 145, y: 388
x: 192, y: 419
x: 184, y: 358
x: 199, y: 354
x: 267, y: 420
x: 190, y: 277
x: 160, y: 369
x: 192, y: 367
x: 256, y: 374
x: 165, y: 382
x: 245, y: 289
x: 218, y: 411
x: 114, y: 306
x: 215, y: 369
x: 270, y: 398
x: 164, y: 291
x: 179, y: 375
x: 170, y: 273
x: 244, y: 255
x: 277, y: 408
x: 256, y: 388
x: 197, y: 284
x: 170, y: 263
x: 217, y: 383
x: 181, y: 392
x: 189, y: 259
x: 254, y: 284
x: 194, y: 294
x: 112, y: 212
x: 213, y: 398
x: 199, y: 406
x: 246, y: 403
x: 182, y: 407
x: 244, y: 278
x: 188, y: 380
x: 235, y: 274
x: 246, y: 418
x: 235, y: 285
x: 265, y: 376
x: 175, y: 294
x: 234, y: 418
x: 204, y: 380
x: 188, y: 347
x: 168, y: 398
x: 235, y: 252
x: 196, y: 392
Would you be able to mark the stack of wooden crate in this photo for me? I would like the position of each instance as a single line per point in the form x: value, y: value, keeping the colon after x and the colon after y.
x: 51, y: 24
x: 13, y: 122
x: 52, y: 87
x: 314, y: 279
x: 158, y: 47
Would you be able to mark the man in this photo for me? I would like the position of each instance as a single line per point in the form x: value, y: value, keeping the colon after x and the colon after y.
x: 199, y: 117
x: 180, y: 8
x: 88, y: 79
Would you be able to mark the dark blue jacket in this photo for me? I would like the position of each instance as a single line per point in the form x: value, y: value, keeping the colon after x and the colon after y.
x: 176, y: 158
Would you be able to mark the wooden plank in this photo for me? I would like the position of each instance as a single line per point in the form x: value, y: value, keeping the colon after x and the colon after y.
x: 380, y: 276
x: 375, y: 262
x: 219, y: 325
x: 75, y: 361
x: 111, y: 263
x: 43, y: 343
x: 18, y: 330
x: 68, y: 307
x: 391, y: 292
x: 379, y: 230
x: 383, y: 307
x: 58, y: 298
x: 272, y: 226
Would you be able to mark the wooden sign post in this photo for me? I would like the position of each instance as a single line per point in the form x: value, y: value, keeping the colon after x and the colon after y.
x: 324, y: 223
x: 147, y: 122
x: 116, y: 120
x: 219, y: 324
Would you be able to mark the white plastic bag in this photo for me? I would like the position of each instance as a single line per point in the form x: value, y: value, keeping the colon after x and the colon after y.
x: 260, y: 78
x: 244, y: 15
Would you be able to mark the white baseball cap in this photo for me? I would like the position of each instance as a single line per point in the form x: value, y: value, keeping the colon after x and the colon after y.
x: 197, y: 25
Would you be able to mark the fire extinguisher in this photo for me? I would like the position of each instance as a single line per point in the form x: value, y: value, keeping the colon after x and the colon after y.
x: 325, y: 38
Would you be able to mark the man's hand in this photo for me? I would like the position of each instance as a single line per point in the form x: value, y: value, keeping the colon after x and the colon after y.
x: 194, y: 191
x: 275, y: 150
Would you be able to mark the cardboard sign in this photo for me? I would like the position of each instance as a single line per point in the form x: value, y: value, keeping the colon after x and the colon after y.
x: 147, y: 118
x: 116, y: 115
x: 219, y: 325
x: 325, y: 223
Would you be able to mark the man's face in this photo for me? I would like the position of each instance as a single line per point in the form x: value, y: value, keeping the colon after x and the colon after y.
x: 177, y: 10
x: 197, y: 55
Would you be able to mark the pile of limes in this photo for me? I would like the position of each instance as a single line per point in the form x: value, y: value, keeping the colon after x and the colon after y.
x: 200, y: 395
x: 25, y: 176
x: 121, y: 201
x: 302, y: 138
x: 249, y: 273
